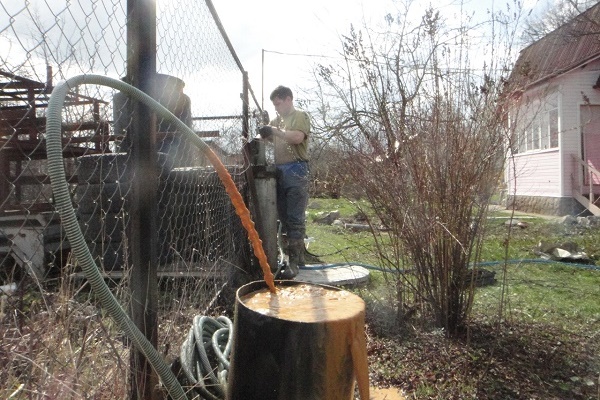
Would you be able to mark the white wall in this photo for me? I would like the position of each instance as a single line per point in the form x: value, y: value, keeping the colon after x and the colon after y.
x: 578, y: 90
x: 536, y: 174
x: 549, y: 172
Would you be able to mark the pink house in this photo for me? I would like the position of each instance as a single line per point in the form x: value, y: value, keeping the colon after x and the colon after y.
x: 554, y: 166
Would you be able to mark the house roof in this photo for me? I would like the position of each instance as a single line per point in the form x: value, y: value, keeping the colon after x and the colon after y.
x: 569, y: 46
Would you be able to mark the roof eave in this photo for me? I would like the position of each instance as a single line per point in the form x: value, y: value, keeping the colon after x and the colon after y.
x: 555, y: 74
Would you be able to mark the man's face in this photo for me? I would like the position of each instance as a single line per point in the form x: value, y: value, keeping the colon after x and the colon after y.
x: 282, y: 106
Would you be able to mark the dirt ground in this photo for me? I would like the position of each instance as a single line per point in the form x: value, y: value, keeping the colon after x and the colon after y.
x: 510, y: 361
x: 386, y: 394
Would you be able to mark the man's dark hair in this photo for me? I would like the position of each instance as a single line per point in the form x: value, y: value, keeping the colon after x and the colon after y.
x: 281, y: 92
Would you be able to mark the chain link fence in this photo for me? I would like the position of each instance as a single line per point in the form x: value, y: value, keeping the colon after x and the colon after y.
x: 201, y: 242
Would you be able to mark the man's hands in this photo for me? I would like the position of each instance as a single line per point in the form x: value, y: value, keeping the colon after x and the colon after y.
x: 265, y: 132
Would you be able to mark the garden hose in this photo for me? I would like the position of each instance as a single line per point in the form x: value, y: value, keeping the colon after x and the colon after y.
x: 281, y: 257
x: 209, y: 339
x: 320, y: 267
x: 62, y: 199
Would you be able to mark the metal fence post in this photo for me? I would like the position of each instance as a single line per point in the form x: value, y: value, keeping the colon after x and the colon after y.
x: 142, y: 235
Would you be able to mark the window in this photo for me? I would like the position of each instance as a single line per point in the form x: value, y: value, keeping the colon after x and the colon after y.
x: 538, y: 126
x: 553, y: 127
x: 535, y: 134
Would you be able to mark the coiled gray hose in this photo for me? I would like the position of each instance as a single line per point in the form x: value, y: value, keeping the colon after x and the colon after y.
x: 64, y: 206
x: 208, y: 339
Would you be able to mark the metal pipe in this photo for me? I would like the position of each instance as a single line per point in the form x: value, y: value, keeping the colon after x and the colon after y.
x: 142, y: 232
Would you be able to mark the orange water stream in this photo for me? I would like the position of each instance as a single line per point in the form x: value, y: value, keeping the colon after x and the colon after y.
x: 244, y: 214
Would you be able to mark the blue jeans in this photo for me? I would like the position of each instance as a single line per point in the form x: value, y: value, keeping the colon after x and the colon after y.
x: 292, y: 197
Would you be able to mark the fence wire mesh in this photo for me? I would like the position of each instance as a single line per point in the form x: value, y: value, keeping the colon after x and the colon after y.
x: 201, y: 241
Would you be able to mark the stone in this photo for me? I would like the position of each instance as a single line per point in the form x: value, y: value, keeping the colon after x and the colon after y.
x: 326, y: 218
x: 583, y: 221
x: 568, y: 220
x: 512, y: 222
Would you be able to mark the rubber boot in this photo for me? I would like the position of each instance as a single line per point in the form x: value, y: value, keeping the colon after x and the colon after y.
x: 295, y: 249
x: 301, y: 261
x: 284, y: 243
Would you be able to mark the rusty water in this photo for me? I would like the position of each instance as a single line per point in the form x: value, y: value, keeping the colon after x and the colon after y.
x: 244, y: 214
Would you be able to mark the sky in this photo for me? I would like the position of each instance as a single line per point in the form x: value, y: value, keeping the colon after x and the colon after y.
x: 292, y: 27
x: 285, y: 32
x: 279, y: 39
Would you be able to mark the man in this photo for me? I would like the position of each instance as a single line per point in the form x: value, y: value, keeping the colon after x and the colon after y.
x: 289, y: 132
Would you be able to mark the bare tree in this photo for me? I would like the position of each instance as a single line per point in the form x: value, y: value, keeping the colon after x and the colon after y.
x: 553, y: 17
x: 423, y: 137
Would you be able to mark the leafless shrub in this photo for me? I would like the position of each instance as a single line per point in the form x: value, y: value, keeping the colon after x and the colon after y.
x: 56, y: 347
x: 423, y: 136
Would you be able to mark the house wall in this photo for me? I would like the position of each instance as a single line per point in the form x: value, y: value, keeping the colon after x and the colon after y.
x: 534, y: 170
x: 546, y: 205
x: 542, y: 180
x: 535, y: 174
x: 577, y: 91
